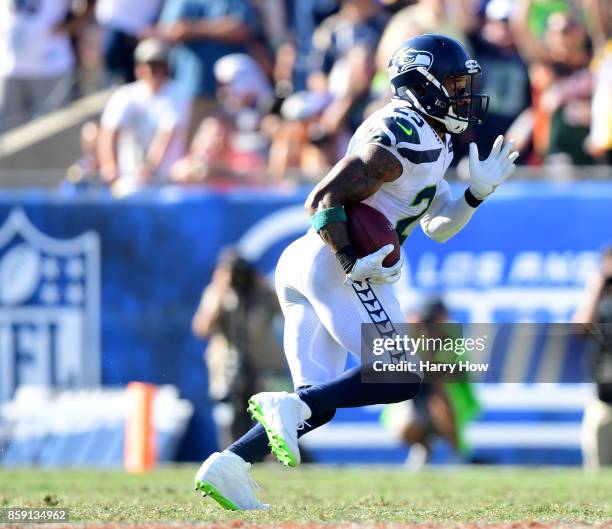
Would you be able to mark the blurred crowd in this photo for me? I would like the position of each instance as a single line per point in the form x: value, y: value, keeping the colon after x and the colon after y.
x: 227, y: 92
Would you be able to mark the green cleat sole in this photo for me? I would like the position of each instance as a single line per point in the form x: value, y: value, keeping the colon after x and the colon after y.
x: 210, y: 490
x: 277, y: 444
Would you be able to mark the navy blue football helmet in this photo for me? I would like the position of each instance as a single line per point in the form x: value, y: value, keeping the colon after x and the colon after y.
x: 419, y: 70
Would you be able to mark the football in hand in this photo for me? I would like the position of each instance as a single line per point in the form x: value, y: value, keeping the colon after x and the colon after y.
x: 369, y: 230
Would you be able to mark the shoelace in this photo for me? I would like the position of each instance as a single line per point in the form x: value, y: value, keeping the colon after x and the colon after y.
x: 302, y: 424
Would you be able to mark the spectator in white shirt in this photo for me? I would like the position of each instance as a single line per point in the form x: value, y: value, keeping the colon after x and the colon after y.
x: 37, y: 60
x: 144, y: 124
x: 123, y: 21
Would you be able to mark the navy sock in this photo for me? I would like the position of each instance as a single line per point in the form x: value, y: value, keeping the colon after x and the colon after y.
x: 349, y: 391
x: 346, y: 391
x: 253, y: 445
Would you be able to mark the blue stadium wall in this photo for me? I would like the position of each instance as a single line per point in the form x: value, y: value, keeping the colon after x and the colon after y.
x: 523, y: 257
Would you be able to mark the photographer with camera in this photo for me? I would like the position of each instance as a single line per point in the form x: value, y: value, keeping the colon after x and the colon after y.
x: 595, y: 316
x: 236, y: 315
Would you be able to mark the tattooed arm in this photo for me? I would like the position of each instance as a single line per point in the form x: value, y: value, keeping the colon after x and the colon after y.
x: 352, y: 180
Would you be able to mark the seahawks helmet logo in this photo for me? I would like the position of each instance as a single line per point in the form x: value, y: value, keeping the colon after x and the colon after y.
x: 472, y: 66
x: 409, y: 59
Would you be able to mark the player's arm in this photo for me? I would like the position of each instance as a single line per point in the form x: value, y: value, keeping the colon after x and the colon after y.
x: 350, y: 181
x: 447, y: 216
x: 353, y: 179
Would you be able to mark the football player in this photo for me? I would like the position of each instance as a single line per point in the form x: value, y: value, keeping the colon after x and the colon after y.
x: 395, y: 163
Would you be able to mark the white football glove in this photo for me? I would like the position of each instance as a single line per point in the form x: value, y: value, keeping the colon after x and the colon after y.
x: 371, y: 269
x: 487, y: 175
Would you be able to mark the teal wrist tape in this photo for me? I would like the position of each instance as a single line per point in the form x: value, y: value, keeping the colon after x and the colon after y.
x: 325, y: 216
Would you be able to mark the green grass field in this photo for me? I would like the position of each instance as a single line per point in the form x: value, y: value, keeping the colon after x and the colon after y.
x: 323, y: 494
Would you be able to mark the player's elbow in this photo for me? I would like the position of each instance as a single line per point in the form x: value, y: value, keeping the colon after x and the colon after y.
x: 311, y: 203
x: 439, y: 228
x: 437, y: 235
x: 320, y: 199
x: 441, y: 237
x: 338, y: 187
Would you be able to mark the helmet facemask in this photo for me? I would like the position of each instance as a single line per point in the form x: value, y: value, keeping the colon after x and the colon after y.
x: 451, y: 101
x: 465, y: 107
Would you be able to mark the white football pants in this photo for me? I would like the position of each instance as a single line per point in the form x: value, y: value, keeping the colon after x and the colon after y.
x: 323, y: 316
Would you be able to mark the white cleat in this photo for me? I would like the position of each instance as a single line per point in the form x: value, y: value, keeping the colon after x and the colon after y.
x: 225, y: 477
x: 282, y: 415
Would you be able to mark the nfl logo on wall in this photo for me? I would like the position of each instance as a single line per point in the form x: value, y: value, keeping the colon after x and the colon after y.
x: 49, y: 308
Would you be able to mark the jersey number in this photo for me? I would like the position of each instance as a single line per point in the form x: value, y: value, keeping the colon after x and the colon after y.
x: 425, y: 194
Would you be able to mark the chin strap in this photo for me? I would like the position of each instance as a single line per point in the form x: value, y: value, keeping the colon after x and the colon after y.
x: 454, y: 125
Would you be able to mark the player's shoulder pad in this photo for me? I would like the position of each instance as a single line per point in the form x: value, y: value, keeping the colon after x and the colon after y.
x: 395, y: 127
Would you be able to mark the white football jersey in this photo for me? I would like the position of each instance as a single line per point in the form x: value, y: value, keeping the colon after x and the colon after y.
x: 424, y: 158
